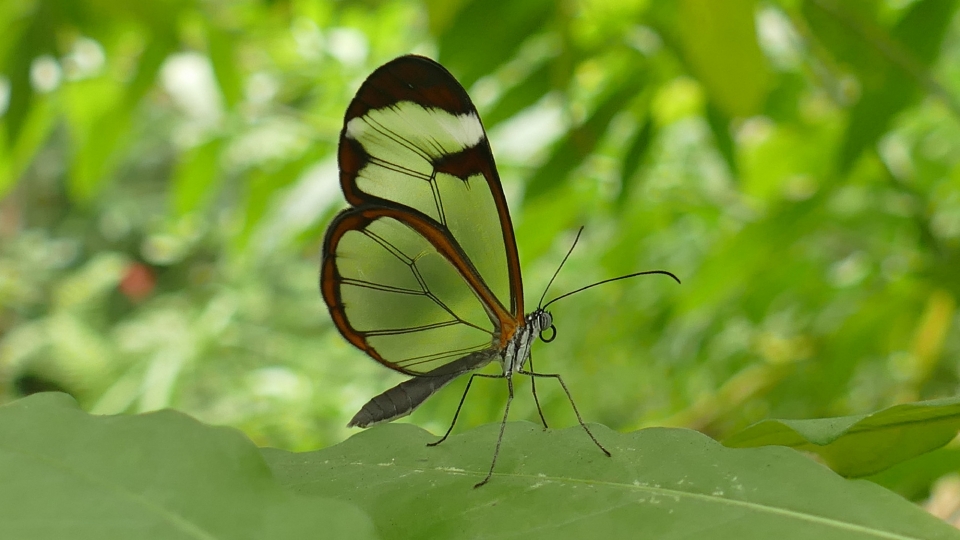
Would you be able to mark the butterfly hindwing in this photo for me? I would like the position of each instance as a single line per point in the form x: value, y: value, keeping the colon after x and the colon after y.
x: 399, y: 296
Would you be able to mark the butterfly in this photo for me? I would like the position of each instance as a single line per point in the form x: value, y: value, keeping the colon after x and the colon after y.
x: 421, y: 272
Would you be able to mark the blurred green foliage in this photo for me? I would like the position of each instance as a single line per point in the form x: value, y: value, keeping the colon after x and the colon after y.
x: 167, y: 169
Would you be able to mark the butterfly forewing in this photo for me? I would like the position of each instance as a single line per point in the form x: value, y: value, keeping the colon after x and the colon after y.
x: 412, y: 136
x: 424, y: 269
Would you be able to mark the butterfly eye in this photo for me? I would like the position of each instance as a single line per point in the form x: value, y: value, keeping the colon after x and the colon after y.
x: 553, y: 334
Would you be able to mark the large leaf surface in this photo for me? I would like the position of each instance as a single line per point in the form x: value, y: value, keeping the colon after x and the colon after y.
x: 863, y: 444
x: 660, y: 483
x: 67, y: 474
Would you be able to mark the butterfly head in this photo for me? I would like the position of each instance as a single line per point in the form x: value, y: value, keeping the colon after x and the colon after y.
x: 541, y: 321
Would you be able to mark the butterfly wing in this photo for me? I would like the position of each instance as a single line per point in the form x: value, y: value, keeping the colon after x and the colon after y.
x: 422, y: 271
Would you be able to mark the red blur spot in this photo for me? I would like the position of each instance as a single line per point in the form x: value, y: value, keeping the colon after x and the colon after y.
x: 138, y: 282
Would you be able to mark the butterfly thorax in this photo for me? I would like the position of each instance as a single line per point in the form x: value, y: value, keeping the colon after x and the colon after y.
x: 517, y: 351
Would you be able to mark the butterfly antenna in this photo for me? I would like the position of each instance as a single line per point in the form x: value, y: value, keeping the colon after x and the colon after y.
x: 567, y: 256
x: 664, y: 272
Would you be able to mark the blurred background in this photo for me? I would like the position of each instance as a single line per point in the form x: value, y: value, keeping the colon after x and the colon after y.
x: 167, y: 170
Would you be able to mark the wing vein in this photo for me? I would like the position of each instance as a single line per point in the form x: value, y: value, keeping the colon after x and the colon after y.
x: 435, y: 190
x: 391, y: 166
x: 408, y: 362
x: 411, y: 329
x: 380, y: 287
x: 399, y: 139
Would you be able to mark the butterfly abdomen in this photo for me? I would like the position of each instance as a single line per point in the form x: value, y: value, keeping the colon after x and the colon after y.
x: 402, y: 399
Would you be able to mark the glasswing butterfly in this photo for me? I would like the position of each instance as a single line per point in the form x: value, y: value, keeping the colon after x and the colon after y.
x: 421, y: 272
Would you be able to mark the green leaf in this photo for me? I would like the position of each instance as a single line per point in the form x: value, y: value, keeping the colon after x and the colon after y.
x: 221, y: 48
x: 33, y: 133
x: 720, y: 45
x: 68, y: 474
x: 101, y: 139
x: 97, y: 140
x: 262, y: 184
x: 555, y: 484
x: 522, y: 95
x: 197, y: 172
x: 485, y: 34
x: 441, y: 13
x: 38, y: 38
x: 720, y: 128
x: 892, y: 67
x: 865, y: 444
x: 161, y: 44
x: 913, y: 478
x: 579, y: 143
x: 637, y: 151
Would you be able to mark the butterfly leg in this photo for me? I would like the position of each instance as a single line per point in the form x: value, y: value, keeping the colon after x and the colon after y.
x: 460, y: 406
x: 572, y: 404
x: 533, y: 386
x: 503, y: 425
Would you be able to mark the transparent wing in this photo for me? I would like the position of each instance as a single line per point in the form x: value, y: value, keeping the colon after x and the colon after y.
x: 398, y: 289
